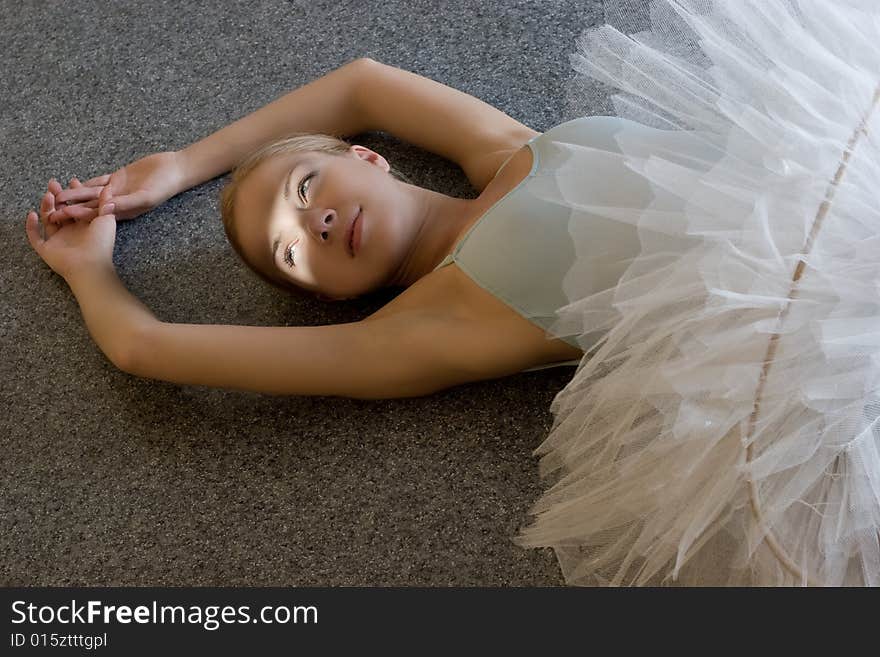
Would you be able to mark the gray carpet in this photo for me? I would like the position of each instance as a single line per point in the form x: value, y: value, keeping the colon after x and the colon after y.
x: 108, y: 479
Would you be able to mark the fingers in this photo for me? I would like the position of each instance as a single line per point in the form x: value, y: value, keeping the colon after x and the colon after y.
x: 105, y: 201
x: 82, y: 212
x: 47, y: 205
x: 32, y: 228
x: 79, y: 211
x: 84, y: 199
x: 55, y: 187
x: 76, y: 194
x: 55, y: 216
x: 79, y: 196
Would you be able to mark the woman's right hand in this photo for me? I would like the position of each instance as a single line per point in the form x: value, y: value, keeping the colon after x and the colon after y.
x: 137, y: 188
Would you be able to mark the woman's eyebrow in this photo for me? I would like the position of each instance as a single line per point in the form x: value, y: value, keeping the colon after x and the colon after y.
x: 275, y: 247
x: 287, y: 182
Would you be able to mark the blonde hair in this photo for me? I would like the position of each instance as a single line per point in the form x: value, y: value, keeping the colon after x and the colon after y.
x: 298, y: 142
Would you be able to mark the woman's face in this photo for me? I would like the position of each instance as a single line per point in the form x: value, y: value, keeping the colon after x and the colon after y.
x: 294, y: 213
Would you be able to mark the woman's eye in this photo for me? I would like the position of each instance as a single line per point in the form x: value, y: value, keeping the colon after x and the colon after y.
x: 302, y: 186
x: 288, y: 255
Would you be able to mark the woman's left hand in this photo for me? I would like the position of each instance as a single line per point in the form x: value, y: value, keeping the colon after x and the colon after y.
x: 78, y: 246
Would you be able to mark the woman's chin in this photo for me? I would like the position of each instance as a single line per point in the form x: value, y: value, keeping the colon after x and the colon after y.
x: 327, y: 297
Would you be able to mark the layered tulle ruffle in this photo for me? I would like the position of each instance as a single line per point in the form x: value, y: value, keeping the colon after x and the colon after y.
x: 723, y: 426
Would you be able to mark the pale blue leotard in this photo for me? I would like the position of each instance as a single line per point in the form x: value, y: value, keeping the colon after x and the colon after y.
x: 520, y: 249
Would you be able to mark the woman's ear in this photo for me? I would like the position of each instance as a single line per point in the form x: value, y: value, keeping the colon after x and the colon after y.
x: 370, y: 156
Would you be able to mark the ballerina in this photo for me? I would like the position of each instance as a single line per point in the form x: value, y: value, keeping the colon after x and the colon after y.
x: 313, y: 214
x: 707, y: 259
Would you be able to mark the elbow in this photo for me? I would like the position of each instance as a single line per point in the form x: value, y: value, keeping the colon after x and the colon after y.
x: 361, y: 64
x: 129, y: 356
x: 363, y: 68
x: 123, y: 359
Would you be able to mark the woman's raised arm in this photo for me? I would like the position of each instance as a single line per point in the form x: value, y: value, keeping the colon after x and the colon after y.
x: 407, y: 354
x: 378, y: 359
x: 394, y: 357
x: 438, y: 118
x: 324, y: 105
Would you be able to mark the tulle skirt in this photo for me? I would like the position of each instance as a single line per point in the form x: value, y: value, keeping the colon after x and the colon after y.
x: 723, y: 429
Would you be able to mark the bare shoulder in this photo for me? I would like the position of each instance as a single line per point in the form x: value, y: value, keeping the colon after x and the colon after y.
x: 467, y: 329
x: 485, y: 166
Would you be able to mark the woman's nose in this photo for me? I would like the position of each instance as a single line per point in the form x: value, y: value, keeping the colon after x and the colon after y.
x: 323, y: 224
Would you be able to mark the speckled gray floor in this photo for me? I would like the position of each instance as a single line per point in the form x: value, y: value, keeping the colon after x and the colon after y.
x: 109, y: 479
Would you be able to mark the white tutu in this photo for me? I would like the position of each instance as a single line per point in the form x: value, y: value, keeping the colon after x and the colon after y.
x: 724, y: 428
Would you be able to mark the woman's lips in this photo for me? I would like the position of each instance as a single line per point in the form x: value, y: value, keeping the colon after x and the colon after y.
x: 356, y: 233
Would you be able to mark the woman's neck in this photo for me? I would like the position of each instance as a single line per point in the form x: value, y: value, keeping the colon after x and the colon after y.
x: 439, y: 222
